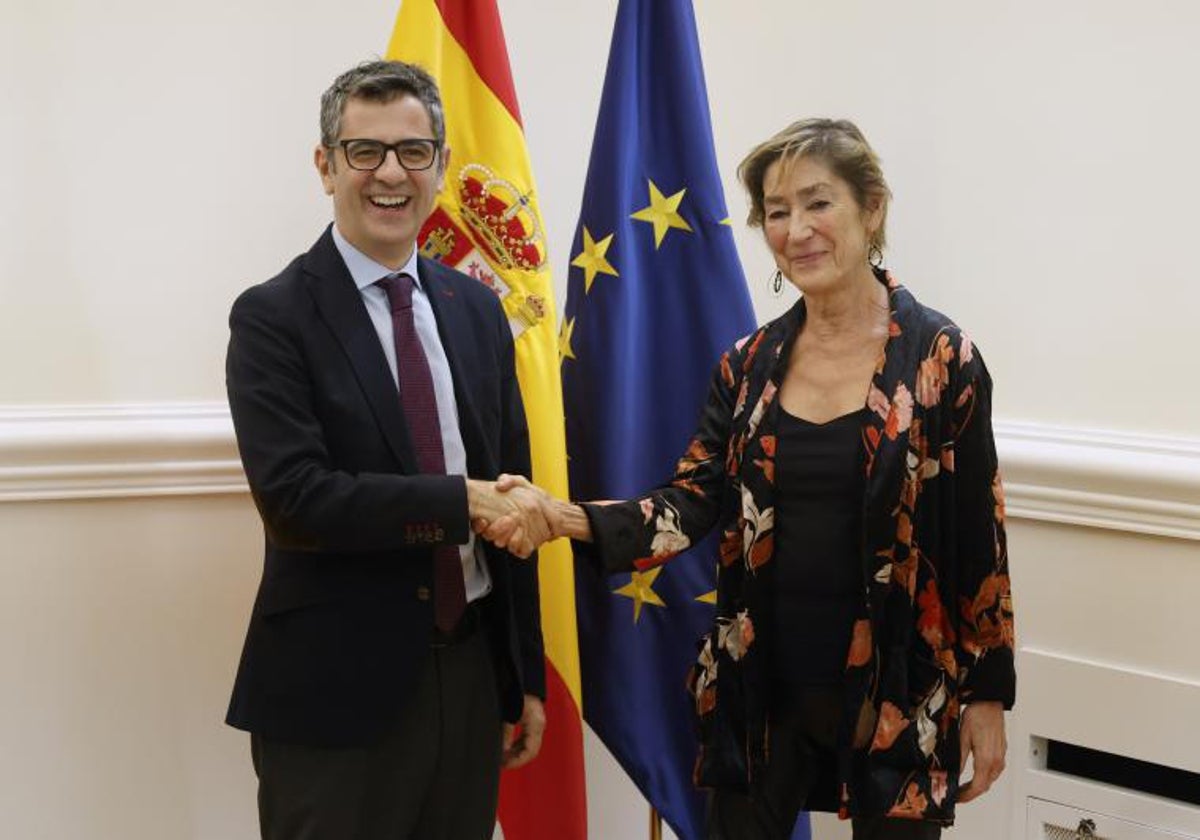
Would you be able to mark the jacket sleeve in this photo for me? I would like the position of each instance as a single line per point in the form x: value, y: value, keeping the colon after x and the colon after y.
x: 515, y: 460
x: 306, y: 502
x: 985, y: 616
x: 648, y: 531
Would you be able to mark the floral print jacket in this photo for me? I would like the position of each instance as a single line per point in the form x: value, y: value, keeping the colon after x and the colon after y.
x: 936, y: 628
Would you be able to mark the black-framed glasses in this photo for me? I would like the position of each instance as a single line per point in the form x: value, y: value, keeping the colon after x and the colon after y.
x: 414, y: 154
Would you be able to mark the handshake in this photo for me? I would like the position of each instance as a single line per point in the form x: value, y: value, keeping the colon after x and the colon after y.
x: 517, y: 516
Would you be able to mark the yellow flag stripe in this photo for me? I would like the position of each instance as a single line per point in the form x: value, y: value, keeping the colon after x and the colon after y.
x: 492, y: 137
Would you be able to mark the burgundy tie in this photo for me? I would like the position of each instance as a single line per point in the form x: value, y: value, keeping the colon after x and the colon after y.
x: 421, y: 411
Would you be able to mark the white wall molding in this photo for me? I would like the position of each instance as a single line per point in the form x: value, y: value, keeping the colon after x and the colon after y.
x: 1137, y: 483
x: 1143, y: 484
x: 91, y: 452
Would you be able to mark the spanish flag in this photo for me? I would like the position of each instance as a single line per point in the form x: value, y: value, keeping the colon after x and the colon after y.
x: 487, y: 224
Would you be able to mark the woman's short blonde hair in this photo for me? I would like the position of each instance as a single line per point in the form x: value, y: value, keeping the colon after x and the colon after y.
x: 836, y: 143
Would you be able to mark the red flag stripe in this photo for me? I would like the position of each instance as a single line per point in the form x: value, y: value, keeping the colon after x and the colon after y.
x: 545, y: 798
x: 476, y: 27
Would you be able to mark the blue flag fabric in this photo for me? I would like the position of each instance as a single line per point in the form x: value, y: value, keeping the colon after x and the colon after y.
x: 655, y: 294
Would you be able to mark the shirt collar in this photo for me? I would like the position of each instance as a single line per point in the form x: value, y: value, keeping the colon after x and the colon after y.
x: 364, y: 270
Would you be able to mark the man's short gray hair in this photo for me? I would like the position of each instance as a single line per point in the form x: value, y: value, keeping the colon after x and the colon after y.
x: 380, y: 81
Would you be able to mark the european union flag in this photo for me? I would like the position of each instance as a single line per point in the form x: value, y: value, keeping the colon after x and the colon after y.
x: 655, y: 294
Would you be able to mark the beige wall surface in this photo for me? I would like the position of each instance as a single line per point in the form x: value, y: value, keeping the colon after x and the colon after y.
x: 158, y: 161
x: 120, y: 626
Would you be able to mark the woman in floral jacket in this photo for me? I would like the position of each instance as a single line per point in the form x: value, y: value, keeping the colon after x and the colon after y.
x: 863, y: 644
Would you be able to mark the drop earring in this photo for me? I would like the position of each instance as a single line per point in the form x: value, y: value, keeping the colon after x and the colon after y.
x: 875, y: 256
x: 777, y: 283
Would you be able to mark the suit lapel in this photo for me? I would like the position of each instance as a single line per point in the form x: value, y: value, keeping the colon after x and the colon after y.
x: 341, y: 307
x: 458, y: 340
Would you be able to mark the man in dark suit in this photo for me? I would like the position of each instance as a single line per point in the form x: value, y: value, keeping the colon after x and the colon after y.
x: 387, y: 648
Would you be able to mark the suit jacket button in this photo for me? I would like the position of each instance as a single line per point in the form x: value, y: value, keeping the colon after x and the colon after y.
x: 422, y: 593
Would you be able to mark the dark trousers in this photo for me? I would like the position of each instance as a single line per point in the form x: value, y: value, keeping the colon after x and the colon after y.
x: 436, y: 774
x: 804, y: 727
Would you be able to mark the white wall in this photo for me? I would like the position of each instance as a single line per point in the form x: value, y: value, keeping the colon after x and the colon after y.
x: 1041, y: 156
x: 1039, y: 153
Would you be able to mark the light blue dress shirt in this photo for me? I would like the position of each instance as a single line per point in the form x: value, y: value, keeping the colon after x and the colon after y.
x: 366, y: 272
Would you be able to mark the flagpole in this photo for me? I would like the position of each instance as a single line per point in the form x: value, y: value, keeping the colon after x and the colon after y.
x: 655, y: 824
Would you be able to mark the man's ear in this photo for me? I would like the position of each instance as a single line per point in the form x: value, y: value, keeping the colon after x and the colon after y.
x: 325, y: 163
x: 443, y: 165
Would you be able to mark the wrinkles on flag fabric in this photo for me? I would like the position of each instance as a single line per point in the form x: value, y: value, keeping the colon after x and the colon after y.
x: 487, y: 224
x: 655, y: 294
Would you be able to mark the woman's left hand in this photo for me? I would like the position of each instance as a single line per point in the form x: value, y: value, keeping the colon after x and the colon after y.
x: 982, y: 737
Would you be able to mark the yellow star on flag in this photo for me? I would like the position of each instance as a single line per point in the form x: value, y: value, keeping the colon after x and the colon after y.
x: 663, y: 213
x: 710, y: 597
x: 641, y: 589
x: 592, y: 259
x: 564, y: 340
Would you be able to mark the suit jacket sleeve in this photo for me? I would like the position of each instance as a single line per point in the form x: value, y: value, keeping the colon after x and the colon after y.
x: 515, y: 460
x: 306, y: 501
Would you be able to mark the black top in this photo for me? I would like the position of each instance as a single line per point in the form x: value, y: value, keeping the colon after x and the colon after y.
x: 820, y: 480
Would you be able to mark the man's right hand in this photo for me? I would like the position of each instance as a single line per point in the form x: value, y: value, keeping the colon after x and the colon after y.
x: 561, y: 518
x: 511, y: 515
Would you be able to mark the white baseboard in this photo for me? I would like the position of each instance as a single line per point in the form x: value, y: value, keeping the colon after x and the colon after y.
x: 1127, y: 482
